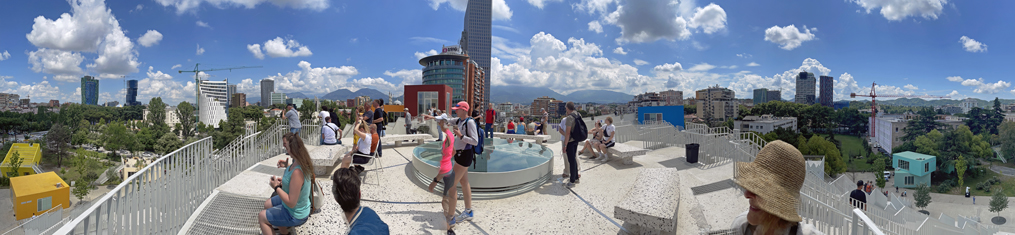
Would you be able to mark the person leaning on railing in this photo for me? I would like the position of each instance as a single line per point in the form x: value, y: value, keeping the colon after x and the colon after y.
x: 286, y: 209
x: 771, y: 184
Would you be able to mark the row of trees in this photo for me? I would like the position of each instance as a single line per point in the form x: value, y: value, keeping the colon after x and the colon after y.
x: 815, y: 118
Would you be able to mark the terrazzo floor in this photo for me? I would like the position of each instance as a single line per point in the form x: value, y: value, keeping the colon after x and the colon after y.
x: 587, y: 208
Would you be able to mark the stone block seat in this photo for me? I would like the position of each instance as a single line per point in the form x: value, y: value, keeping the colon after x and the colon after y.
x: 326, y: 158
x: 651, y: 205
x: 537, y: 138
x: 625, y: 152
x: 399, y: 138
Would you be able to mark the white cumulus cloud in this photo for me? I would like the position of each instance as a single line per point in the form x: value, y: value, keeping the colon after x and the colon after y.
x: 5, y: 56
x: 199, y: 50
x: 640, y: 62
x: 90, y: 27
x: 279, y: 47
x: 313, y: 80
x: 408, y: 76
x: 176, y: 66
x: 594, y: 26
x: 668, y: 67
x: 894, y: 10
x: 202, y: 24
x: 541, y: 3
x: 980, y: 86
x: 57, y: 62
x: 256, y: 50
x: 710, y: 19
x: 619, y: 50
x: 183, y: 6
x: 500, y: 9
x: 972, y: 45
x: 752, y: 64
x: 421, y: 55
x: 150, y: 38
x: 910, y: 87
x: 788, y: 37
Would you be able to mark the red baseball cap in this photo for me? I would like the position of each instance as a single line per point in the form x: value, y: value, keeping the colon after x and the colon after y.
x: 461, y: 105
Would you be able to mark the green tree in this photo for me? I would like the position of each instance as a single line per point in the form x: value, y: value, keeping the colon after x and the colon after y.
x: 156, y: 111
x: 57, y: 142
x: 185, y: 112
x: 817, y: 145
x: 230, y: 129
x: 922, y: 197
x: 998, y: 202
x: 81, y: 189
x: 168, y: 143
x: 879, y: 168
x: 116, y: 137
x: 921, y: 125
x: 1007, y: 139
x: 690, y: 109
x: 15, y: 164
x: 960, y: 168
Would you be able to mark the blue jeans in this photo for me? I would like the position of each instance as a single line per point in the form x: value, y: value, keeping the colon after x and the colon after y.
x: 294, y: 130
x: 489, y: 130
x: 279, y: 216
x: 440, y: 133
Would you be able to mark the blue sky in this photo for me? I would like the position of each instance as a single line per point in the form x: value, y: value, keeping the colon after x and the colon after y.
x: 917, y: 47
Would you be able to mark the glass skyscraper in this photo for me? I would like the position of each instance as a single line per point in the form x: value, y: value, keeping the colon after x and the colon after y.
x: 131, y: 93
x: 476, y: 38
x: 89, y: 90
x: 805, y: 84
x: 267, y: 87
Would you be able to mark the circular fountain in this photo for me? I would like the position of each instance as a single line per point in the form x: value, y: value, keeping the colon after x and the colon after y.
x: 504, y: 169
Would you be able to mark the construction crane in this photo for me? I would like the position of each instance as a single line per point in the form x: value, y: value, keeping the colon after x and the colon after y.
x: 197, y: 78
x: 874, y: 111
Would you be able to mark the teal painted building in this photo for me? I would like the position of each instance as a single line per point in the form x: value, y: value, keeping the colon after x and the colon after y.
x: 913, y: 169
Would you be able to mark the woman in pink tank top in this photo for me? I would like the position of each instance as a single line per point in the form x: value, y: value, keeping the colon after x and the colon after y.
x: 446, y: 174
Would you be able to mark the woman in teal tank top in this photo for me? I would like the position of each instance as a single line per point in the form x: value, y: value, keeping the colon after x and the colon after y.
x: 292, y: 206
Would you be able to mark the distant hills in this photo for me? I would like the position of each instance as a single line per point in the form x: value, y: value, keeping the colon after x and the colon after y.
x: 342, y: 94
x: 525, y: 95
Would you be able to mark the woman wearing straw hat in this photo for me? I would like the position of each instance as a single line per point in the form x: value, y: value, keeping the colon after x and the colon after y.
x: 772, y: 185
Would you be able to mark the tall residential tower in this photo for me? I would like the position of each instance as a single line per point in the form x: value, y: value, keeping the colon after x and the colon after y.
x: 826, y: 91
x: 267, y: 87
x: 89, y: 90
x: 476, y: 39
x: 131, y: 93
x: 805, y: 88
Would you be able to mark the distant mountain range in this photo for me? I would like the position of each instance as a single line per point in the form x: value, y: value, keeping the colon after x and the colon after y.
x: 342, y: 94
x: 525, y: 95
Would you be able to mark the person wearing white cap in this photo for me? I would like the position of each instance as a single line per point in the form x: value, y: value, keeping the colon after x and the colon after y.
x: 466, y: 136
x: 772, y: 185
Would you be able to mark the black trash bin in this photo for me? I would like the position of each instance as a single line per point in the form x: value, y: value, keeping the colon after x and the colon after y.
x: 692, y: 153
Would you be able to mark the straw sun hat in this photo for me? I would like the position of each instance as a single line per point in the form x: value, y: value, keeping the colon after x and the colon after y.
x: 776, y: 176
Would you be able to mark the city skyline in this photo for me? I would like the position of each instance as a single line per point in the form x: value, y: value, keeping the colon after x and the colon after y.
x: 565, y: 46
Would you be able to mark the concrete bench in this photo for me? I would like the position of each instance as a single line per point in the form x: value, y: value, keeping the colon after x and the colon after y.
x: 626, y: 152
x: 537, y: 138
x: 651, y: 205
x: 326, y: 157
x: 399, y: 138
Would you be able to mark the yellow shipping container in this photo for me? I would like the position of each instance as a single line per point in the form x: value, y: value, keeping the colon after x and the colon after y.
x: 35, y: 194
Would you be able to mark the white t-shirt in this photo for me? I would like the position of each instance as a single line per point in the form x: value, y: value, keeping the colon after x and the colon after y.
x: 562, y: 128
x: 611, y: 130
x: 364, y: 144
x: 329, y: 133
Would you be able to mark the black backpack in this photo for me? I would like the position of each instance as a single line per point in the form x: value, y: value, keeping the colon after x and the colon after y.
x: 579, y: 132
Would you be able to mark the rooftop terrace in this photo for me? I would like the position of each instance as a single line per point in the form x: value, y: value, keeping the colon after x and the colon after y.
x: 223, y: 193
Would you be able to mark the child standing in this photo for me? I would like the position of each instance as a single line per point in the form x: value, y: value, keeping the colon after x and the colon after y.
x: 446, y: 174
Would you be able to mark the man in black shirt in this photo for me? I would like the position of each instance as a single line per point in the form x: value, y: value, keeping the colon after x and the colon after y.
x: 859, y: 198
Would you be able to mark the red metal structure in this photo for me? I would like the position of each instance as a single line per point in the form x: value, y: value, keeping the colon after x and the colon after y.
x: 874, y: 109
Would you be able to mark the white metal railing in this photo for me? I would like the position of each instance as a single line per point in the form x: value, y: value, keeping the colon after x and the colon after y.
x: 159, y: 198
x: 863, y: 225
x: 40, y: 223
